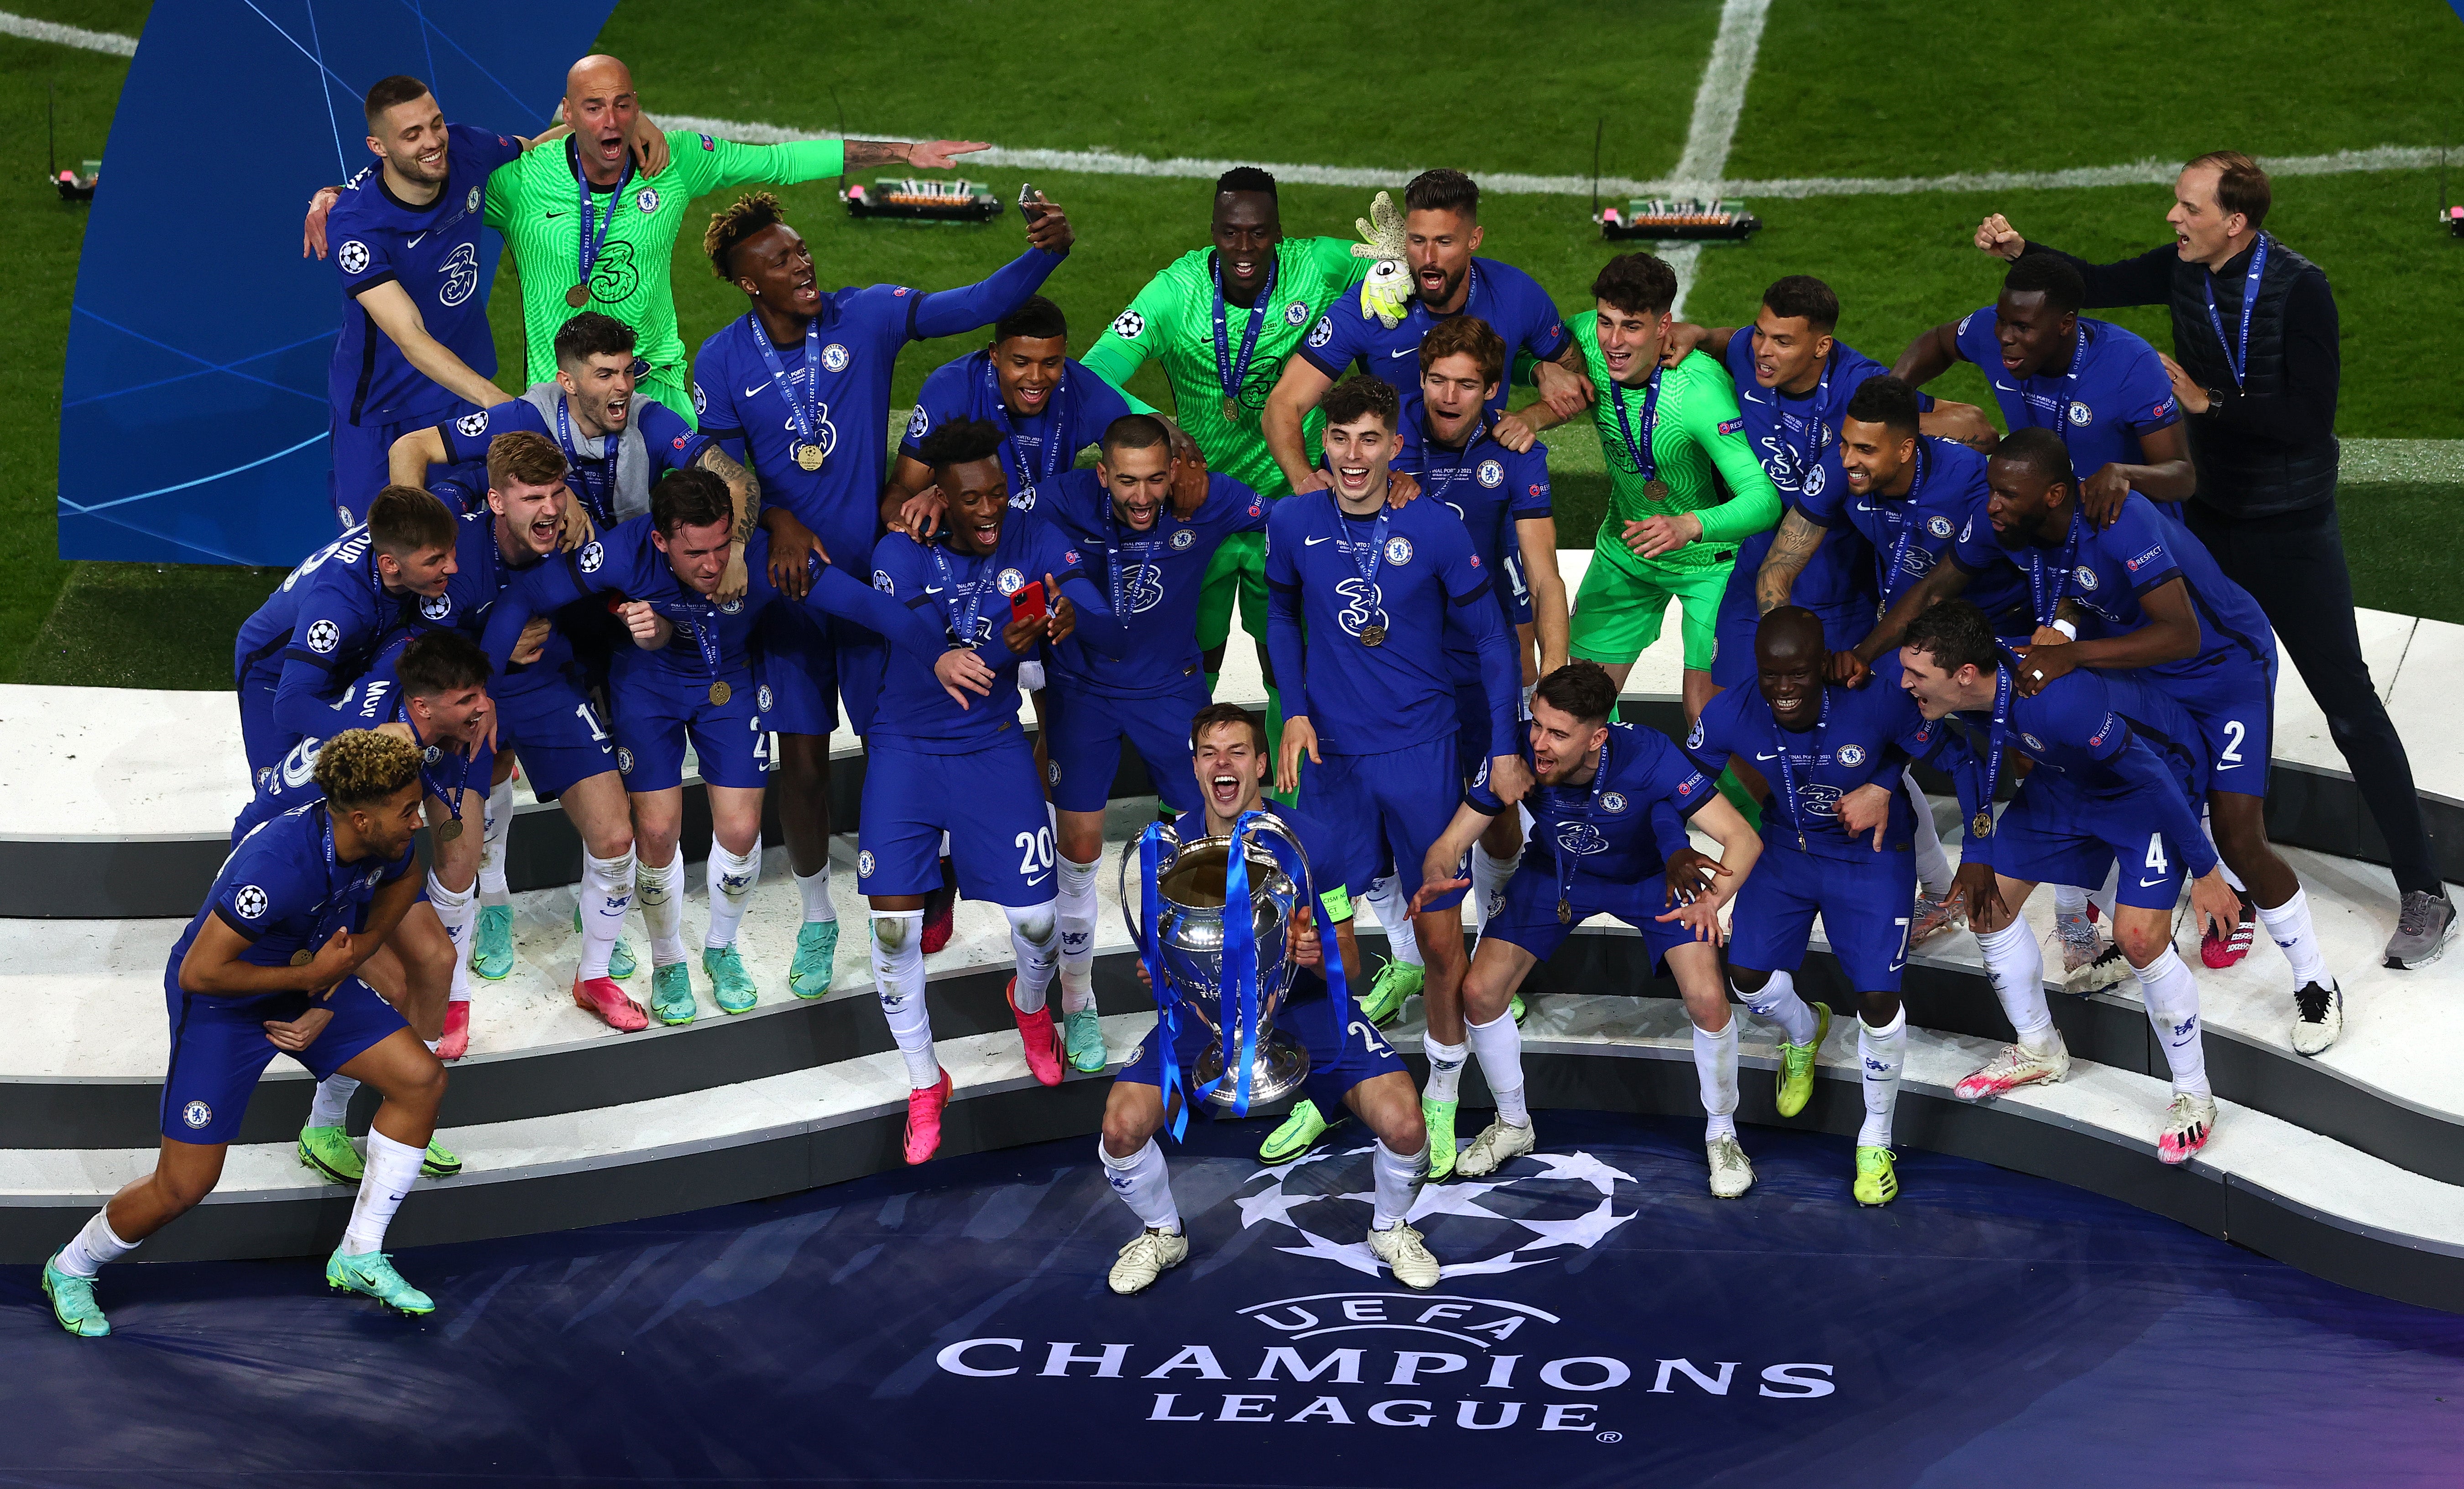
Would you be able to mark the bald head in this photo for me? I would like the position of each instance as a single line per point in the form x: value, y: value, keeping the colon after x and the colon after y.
x: 1789, y: 634
x: 1790, y: 659
x: 603, y: 113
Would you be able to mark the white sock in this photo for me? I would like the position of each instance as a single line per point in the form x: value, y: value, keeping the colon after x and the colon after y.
x: 1881, y: 1052
x: 1445, y: 1069
x: 459, y: 914
x: 661, y: 889
x: 1400, y: 1176
x: 814, y: 890
x: 1394, y: 912
x: 92, y: 1247
x: 2173, y: 997
x: 1715, y: 1069
x: 1077, y: 906
x: 498, y: 821
x: 1489, y: 876
x: 1933, y: 865
x: 607, y: 893
x: 1144, y: 1185
x: 1034, y: 938
x: 392, y: 1167
x: 2289, y: 924
x: 330, y: 1105
x: 2102, y: 898
x: 2069, y: 901
x: 732, y: 877
x: 1778, y: 1002
x: 2016, y: 965
x: 898, y: 979
x: 1499, y: 1045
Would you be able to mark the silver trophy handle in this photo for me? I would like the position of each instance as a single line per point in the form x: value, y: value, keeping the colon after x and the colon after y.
x: 1163, y: 866
x: 1269, y: 823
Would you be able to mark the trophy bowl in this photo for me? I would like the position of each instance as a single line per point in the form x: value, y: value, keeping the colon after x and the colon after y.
x: 1188, y: 937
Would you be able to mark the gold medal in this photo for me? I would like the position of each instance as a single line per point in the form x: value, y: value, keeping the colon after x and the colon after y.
x: 1565, y: 912
x: 1982, y: 827
x: 1231, y: 411
x: 720, y: 692
x: 447, y: 832
x: 303, y: 957
x: 809, y: 456
x: 1373, y: 635
x: 1655, y: 489
x: 579, y: 296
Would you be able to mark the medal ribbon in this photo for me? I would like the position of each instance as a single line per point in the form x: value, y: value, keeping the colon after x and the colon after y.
x: 1240, y: 976
x: 2238, y: 354
x: 2000, y: 735
x: 1639, y: 455
x: 1229, y: 373
x: 805, y: 412
x: 1167, y: 1001
x: 1366, y: 564
x: 1795, y: 812
x: 1114, y: 548
x: 599, y: 495
x: 965, y: 615
x: 1896, y: 575
x: 452, y: 796
x: 1815, y: 444
x: 2060, y: 580
x: 592, y: 243
x: 1056, y: 423
x: 1564, y: 855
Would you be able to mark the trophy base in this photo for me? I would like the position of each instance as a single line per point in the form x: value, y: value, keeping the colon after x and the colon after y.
x: 1276, y: 1072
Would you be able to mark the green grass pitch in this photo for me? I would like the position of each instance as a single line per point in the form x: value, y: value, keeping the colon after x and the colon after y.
x: 1884, y: 89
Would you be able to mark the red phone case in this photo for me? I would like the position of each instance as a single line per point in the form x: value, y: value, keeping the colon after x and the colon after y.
x: 1027, y: 604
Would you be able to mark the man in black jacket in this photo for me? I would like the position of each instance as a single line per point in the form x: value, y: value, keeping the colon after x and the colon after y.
x: 2256, y: 367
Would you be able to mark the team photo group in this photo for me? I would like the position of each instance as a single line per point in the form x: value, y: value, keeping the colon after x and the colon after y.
x: 2061, y: 612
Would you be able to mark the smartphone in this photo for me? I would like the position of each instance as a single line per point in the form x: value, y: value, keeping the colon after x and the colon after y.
x: 1028, y: 206
x: 1027, y: 604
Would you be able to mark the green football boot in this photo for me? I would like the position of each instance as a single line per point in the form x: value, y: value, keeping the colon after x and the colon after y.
x: 730, y: 983
x: 1796, y: 1065
x: 329, y: 1151
x: 620, y: 958
x: 72, y: 1301
x: 1395, y: 982
x: 1878, y: 1176
x: 1516, y: 1008
x: 1298, y: 1134
x: 671, y: 998
x: 439, y: 1162
x: 1440, y: 1119
x: 492, y: 943
x: 371, y: 1275
x: 1082, y: 1039
x: 817, y: 950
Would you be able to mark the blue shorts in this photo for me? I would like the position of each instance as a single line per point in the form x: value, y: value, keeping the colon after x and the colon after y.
x: 860, y: 660
x: 1083, y: 744
x: 656, y: 707
x: 1339, y: 1059
x: 1518, y: 591
x: 219, y: 1050
x: 2234, y: 707
x: 1526, y: 916
x: 1733, y: 635
x: 1864, y: 908
x: 1384, y: 809
x: 542, y: 715
x: 261, y: 739
x: 988, y: 800
x: 799, y: 665
x: 2052, y: 835
x: 362, y: 459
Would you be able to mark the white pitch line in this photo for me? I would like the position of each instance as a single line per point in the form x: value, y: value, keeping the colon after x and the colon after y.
x: 32, y: 29
x: 1713, y: 128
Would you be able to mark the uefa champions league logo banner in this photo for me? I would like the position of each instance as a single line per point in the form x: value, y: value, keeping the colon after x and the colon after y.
x: 1516, y: 1338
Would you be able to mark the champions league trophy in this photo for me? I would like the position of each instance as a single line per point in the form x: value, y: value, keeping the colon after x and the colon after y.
x: 1229, y: 970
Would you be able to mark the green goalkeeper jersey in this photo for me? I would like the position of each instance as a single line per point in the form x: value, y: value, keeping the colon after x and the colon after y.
x: 1698, y: 442
x: 536, y: 203
x: 1174, y: 318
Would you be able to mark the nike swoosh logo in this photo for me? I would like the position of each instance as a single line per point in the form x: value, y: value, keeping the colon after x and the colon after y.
x: 414, y: 243
x: 1312, y: 542
x: 1773, y: 755
x: 2004, y: 388
x: 1751, y: 398
x: 758, y: 387
x: 933, y: 589
x: 2149, y: 884
x: 1037, y: 880
x: 556, y: 213
x: 1405, y: 352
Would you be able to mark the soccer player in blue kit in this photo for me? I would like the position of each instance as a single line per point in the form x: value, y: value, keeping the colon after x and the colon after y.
x: 800, y: 384
x: 1364, y: 599
x: 1149, y: 559
x: 1048, y: 406
x: 2099, y: 388
x: 333, y: 614
x: 273, y: 963
x: 2114, y: 780
x: 1441, y: 233
x: 1608, y: 811
x: 932, y: 767
x: 1837, y: 833
x: 695, y: 668
x: 2146, y: 598
x: 1349, y: 1063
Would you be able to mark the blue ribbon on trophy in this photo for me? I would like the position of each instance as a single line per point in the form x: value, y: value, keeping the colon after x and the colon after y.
x: 1167, y: 1001
x: 1239, y: 974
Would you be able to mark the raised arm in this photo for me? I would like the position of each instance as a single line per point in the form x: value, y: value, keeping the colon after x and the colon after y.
x: 389, y: 305
x: 949, y: 312
x: 1792, y: 549
x: 1296, y: 392
x: 406, y: 463
x: 1933, y: 353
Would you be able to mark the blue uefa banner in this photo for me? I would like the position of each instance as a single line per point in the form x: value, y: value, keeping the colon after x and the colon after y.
x: 193, y: 412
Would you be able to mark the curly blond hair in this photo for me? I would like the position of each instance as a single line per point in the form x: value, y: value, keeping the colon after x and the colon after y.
x: 745, y: 216
x: 362, y: 768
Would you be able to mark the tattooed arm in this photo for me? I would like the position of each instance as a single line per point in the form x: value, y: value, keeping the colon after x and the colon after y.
x: 742, y: 486
x: 1791, y: 549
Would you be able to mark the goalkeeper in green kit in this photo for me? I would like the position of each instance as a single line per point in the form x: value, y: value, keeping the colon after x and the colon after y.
x: 1684, y: 487
x: 1222, y: 320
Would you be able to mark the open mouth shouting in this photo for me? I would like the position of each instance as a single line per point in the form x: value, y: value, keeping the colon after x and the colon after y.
x: 1223, y: 793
